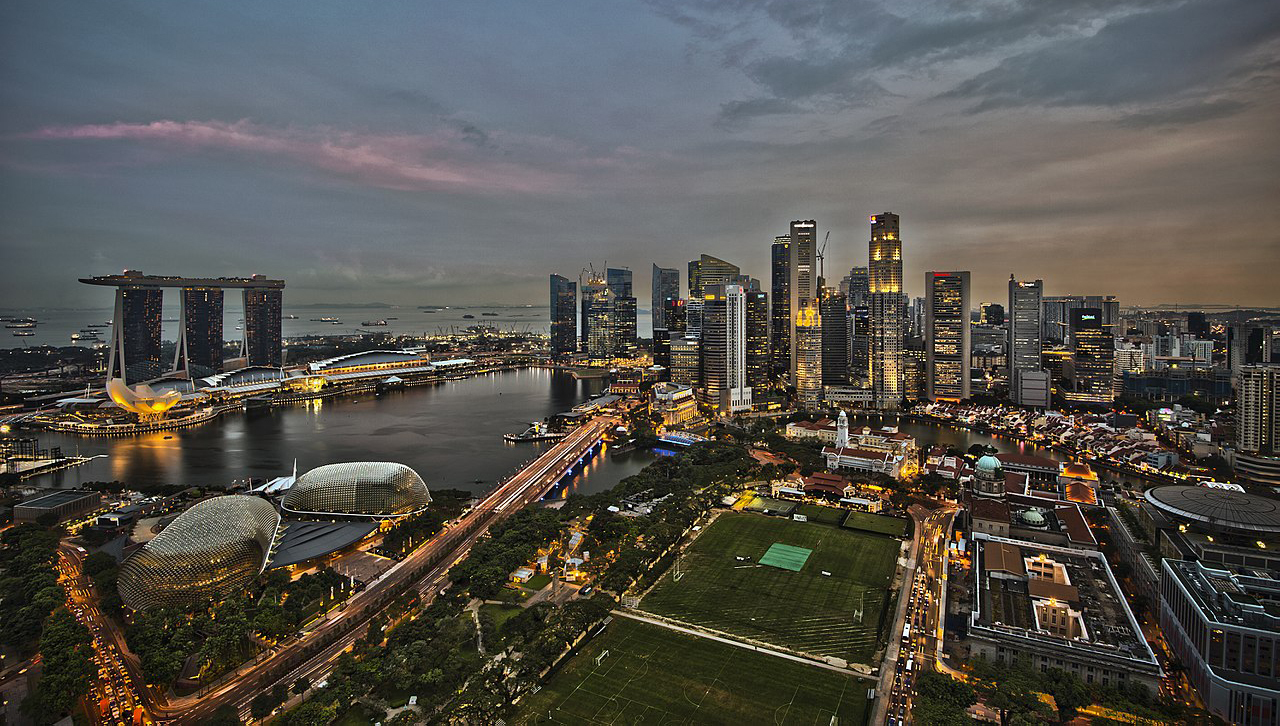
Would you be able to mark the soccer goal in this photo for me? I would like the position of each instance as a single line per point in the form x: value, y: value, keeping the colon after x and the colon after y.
x: 600, y: 658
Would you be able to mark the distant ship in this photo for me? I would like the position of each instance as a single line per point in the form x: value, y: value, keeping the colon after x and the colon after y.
x: 374, y: 323
x: 23, y: 333
x: 492, y: 315
x: 468, y: 317
x: 536, y: 432
x: 98, y: 325
x: 325, y: 320
x: 291, y: 317
x: 20, y: 324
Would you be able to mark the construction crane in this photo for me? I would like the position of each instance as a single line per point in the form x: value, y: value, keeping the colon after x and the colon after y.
x: 822, y: 253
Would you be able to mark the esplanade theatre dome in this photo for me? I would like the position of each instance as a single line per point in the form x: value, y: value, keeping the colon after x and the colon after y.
x: 363, y: 489
x: 209, y: 551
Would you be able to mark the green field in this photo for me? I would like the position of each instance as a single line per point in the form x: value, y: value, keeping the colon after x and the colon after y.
x: 653, y: 675
x: 892, y: 526
x: 819, y: 513
x: 803, y: 610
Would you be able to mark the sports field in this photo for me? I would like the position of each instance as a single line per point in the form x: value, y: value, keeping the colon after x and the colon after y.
x: 803, y: 610
x: 653, y: 675
x: 892, y: 526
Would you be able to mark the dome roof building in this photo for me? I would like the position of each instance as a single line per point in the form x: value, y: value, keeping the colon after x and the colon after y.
x: 375, y: 489
x: 988, y: 477
x: 208, y: 552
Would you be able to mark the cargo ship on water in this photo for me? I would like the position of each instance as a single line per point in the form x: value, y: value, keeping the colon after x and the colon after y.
x: 536, y: 432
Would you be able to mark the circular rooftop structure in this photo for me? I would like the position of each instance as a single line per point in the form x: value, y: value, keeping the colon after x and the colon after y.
x: 358, y: 489
x: 1216, y: 509
x: 989, y: 466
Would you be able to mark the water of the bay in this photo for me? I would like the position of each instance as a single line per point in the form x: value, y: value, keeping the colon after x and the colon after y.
x: 450, y: 433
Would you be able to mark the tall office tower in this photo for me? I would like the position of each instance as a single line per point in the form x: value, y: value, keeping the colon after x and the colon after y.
x: 808, y: 343
x: 887, y: 303
x: 757, y: 341
x: 624, y: 327
x: 1092, y: 359
x: 1058, y: 311
x: 947, y: 336
x: 676, y: 315
x: 666, y: 286
x: 619, y: 281
x: 802, y: 275
x: 1257, y: 455
x: 564, y: 312
x: 1247, y: 345
x: 262, y: 321
x: 856, y: 286
x: 724, y: 349
x: 833, y: 307
x: 693, y: 316
x: 135, y: 349
x: 686, y: 360
x: 1198, y: 324
x: 993, y: 313
x: 1023, y: 344
x: 708, y: 270
x: 199, y: 348
x: 860, y: 345
x: 597, y: 317
x: 780, y: 312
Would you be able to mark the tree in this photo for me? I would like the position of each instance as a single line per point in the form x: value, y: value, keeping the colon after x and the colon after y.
x: 225, y: 715
x: 68, y: 668
x: 262, y: 705
x: 301, y: 685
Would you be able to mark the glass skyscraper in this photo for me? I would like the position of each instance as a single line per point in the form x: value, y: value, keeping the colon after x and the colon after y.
x: 564, y: 310
x: 262, y: 316
x: 947, y: 335
x: 666, y: 286
x: 199, y: 349
x: 888, y: 310
x: 780, y: 312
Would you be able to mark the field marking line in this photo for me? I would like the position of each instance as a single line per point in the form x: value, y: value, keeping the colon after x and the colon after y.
x: 787, y: 706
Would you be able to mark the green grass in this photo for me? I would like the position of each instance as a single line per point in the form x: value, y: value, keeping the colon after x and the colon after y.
x: 537, y: 582
x: 653, y: 675
x: 777, y: 506
x: 819, y: 513
x: 786, y: 557
x: 358, y: 715
x: 501, y: 613
x: 803, y: 610
x: 880, y: 524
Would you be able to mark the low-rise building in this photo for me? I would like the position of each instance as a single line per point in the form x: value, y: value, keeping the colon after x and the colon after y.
x: 1224, y: 626
x: 675, y: 403
x: 63, y: 504
x: 1055, y: 607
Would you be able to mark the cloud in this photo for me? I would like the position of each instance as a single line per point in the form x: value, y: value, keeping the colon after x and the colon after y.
x: 441, y: 160
x: 1183, y: 114
x: 1141, y: 58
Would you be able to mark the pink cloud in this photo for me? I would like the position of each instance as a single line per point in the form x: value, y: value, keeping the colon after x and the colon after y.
x: 441, y: 160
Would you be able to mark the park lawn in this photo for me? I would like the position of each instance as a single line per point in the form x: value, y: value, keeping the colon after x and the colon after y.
x: 819, y: 513
x: 653, y: 675
x: 806, y: 610
x: 878, y: 523
x: 358, y: 715
x: 501, y: 613
x: 537, y: 582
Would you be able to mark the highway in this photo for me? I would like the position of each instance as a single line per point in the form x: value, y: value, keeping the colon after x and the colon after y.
x: 919, y: 631
x: 424, y: 570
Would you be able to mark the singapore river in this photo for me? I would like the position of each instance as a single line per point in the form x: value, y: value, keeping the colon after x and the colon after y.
x: 450, y: 433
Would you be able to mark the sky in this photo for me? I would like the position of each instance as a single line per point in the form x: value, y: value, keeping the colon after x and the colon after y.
x: 458, y: 153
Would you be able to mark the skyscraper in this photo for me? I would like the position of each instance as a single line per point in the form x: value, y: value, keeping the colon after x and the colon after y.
x: 199, y: 348
x: 947, y: 335
x: 135, y: 352
x: 262, y: 321
x: 1257, y: 454
x: 780, y: 312
x: 623, y: 312
x: 564, y: 310
x: 597, y: 317
x: 686, y: 360
x: 757, y: 341
x: 887, y: 303
x: 708, y: 270
x: 802, y: 274
x: 834, y: 309
x: 1023, y: 342
x: 666, y: 286
x: 1092, y: 359
x: 856, y: 286
x: 860, y: 345
x: 724, y: 349
x: 808, y: 343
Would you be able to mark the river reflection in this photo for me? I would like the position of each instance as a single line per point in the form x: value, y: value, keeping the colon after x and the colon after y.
x: 450, y: 433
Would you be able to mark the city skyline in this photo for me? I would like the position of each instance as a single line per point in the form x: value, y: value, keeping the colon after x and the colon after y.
x: 366, y: 175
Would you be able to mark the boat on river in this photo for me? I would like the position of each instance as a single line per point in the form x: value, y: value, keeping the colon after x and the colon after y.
x: 536, y: 432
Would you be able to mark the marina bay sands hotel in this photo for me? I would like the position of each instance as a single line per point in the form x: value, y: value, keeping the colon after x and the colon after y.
x: 136, y: 325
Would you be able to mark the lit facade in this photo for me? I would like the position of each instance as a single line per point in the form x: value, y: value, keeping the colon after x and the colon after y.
x: 833, y: 306
x: 135, y: 350
x: 757, y: 302
x: 375, y: 489
x: 564, y: 310
x: 808, y: 343
x: 1023, y: 344
x: 263, y: 344
x: 199, y: 350
x: 665, y: 286
x: 1093, y: 358
x: 947, y: 335
x: 888, y: 310
x: 210, y: 551
x: 1257, y: 450
x: 780, y: 303
x: 802, y: 276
